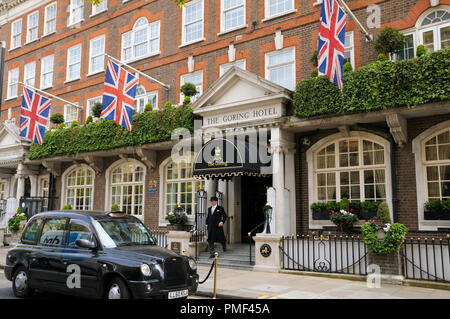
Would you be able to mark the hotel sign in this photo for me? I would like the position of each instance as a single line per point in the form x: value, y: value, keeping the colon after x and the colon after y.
x: 247, y: 115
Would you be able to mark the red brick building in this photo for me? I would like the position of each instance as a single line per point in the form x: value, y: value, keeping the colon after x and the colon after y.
x: 59, y: 46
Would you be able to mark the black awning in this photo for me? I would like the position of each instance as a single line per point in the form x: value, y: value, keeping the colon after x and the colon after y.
x: 224, y: 158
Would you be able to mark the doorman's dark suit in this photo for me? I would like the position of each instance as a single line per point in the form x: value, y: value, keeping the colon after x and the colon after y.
x: 216, y: 233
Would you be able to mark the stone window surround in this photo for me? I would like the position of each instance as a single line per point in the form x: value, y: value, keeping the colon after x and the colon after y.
x: 310, y: 158
x: 419, y: 156
x: 67, y: 172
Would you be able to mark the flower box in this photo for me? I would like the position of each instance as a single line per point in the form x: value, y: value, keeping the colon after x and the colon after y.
x: 431, y: 215
x: 366, y: 215
x: 321, y: 215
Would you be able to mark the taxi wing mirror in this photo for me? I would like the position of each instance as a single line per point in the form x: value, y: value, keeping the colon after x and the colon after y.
x: 84, y: 243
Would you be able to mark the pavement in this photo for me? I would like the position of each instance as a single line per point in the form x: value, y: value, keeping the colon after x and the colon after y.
x: 245, y: 284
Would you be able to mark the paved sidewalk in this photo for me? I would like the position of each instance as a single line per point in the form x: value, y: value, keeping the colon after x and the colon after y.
x: 3, y: 252
x: 251, y: 285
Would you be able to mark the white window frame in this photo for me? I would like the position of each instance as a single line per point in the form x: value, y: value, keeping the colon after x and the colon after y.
x: 268, y: 16
x: 103, y: 9
x: 420, y: 30
x: 12, y: 74
x: 71, y: 63
x: 26, y: 71
x: 312, y: 164
x: 418, y: 148
x: 197, y: 85
x: 163, y: 189
x: 414, y: 36
x: 238, y: 63
x: 223, y: 28
x: 34, y: 28
x: 72, y: 9
x: 292, y: 63
x: 53, y: 20
x: 183, y: 24
x: 351, y: 48
x: 65, y: 188
x: 44, y: 62
x: 149, y: 40
x: 68, y: 120
x: 15, y: 35
x: 109, y: 183
x: 102, y: 54
x: 90, y: 103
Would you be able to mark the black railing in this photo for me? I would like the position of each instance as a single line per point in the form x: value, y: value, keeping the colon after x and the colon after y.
x: 427, y: 258
x: 250, y: 240
x: 31, y: 206
x: 161, y: 237
x: 324, y: 253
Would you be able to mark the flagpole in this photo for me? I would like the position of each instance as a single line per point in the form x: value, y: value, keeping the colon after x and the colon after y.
x: 354, y: 18
x: 167, y: 87
x: 51, y: 95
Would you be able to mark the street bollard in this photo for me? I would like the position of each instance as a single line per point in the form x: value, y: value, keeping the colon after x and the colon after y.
x: 215, y: 273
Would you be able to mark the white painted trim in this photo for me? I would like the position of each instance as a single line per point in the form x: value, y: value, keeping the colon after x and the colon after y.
x: 222, y: 18
x: 427, y: 12
x: 69, y: 54
x: 108, y: 172
x: 267, y: 15
x: 422, y: 192
x: 12, y: 34
x: 310, y: 158
x: 45, y: 31
x: 183, y: 17
x: 43, y: 60
x: 28, y: 27
x: 90, y: 71
x: 267, y: 68
x: 63, y: 183
x: 162, y: 222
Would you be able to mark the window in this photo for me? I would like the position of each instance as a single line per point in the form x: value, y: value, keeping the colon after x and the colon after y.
x: 97, y: 55
x: 181, y: 187
x: 33, y: 26
x: 143, y: 98
x: 233, y: 14
x: 30, y: 74
x: 437, y: 166
x: 3, y: 191
x: 70, y: 114
x: 195, y: 78
x: 90, y: 104
x: 79, y: 188
x: 74, y: 63
x: 13, y: 85
x: 16, y: 34
x: 47, y: 72
x: 53, y: 232
x: 142, y: 41
x: 435, y: 30
x: 408, y: 51
x: 44, y: 191
x: 102, y: 6
x: 225, y: 67
x: 31, y: 232
x: 349, y: 53
x: 76, y: 11
x: 50, y: 19
x: 127, y: 188
x: 352, y: 168
x: 192, y: 21
x: 275, y: 8
x: 280, y: 68
x: 78, y: 230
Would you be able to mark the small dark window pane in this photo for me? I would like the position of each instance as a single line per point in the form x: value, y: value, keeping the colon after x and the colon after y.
x: 30, y: 233
x: 53, y: 232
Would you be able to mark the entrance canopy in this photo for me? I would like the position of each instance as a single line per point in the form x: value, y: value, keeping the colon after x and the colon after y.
x: 224, y: 158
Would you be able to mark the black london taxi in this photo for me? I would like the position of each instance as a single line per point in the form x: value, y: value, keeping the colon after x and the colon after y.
x: 96, y: 255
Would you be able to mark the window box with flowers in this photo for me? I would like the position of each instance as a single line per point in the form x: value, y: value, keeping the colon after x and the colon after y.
x: 178, y: 219
x: 437, y: 210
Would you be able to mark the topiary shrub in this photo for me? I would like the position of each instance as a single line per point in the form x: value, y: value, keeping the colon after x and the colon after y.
x: 381, y: 57
x: 57, y: 118
x: 187, y: 100
x: 314, y: 59
x: 314, y: 74
x: 344, y: 204
x: 348, y: 67
x: 74, y: 124
x: 89, y: 119
x: 168, y: 105
x: 188, y: 89
x: 393, y: 239
x: 97, y: 109
x: 62, y: 126
x: 389, y: 40
x: 383, y: 215
x: 115, y: 208
x: 67, y: 207
x: 148, y: 107
x: 421, y: 50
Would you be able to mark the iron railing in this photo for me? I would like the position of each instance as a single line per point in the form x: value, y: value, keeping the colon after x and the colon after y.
x: 250, y: 240
x: 427, y: 258
x: 329, y: 253
x: 161, y: 237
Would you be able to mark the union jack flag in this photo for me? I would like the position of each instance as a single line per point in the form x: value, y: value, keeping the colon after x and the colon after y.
x: 34, y: 115
x: 118, y: 96
x: 331, y: 41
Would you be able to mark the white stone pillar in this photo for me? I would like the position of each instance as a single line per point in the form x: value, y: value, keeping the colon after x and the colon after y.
x: 210, y: 187
x: 223, y: 188
x: 34, y: 185
x: 267, y: 252
x: 20, y: 183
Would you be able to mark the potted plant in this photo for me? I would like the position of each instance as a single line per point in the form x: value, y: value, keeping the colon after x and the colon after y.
x: 178, y: 218
x: 368, y: 210
x: 319, y: 211
x: 345, y: 217
x: 432, y: 210
x: 16, y: 224
x: 392, y: 239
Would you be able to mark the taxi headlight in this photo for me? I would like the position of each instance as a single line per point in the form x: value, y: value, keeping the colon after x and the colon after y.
x: 146, y: 270
x: 192, y: 264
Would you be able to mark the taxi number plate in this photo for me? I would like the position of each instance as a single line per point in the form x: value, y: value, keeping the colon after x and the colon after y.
x: 178, y: 294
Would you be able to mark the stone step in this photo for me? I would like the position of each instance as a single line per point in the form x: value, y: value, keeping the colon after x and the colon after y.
x: 226, y: 264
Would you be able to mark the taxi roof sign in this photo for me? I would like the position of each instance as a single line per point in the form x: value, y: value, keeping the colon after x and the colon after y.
x: 116, y: 214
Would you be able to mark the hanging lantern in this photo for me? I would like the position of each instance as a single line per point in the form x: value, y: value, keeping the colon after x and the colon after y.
x: 267, y: 210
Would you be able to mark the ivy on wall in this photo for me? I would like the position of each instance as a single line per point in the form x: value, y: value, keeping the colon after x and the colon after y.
x: 148, y: 127
x: 378, y: 86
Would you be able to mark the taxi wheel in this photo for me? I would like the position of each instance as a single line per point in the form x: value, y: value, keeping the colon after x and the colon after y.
x: 117, y: 289
x: 20, y: 283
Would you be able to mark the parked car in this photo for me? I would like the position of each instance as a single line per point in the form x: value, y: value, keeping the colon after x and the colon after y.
x: 114, y: 254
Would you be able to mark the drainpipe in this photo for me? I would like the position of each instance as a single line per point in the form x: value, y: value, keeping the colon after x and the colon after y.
x: 51, y: 190
x: 2, y: 68
x: 299, y: 163
x: 386, y: 134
